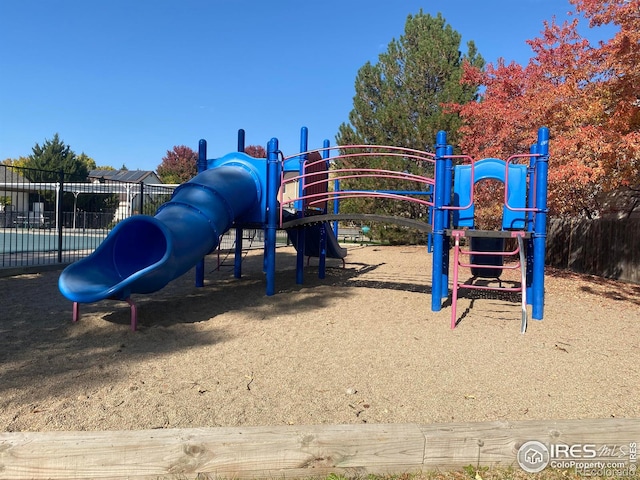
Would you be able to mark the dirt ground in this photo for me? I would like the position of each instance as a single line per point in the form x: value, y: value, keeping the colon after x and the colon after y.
x: 361, y: 345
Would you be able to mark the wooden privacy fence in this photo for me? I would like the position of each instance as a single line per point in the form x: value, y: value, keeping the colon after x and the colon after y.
x: 605, y: 247
x: 301, y: 451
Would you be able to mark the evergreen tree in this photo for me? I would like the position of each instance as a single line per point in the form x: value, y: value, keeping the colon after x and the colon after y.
x: 401, y: 101
x: 54, y: 156
x: 44, y: 165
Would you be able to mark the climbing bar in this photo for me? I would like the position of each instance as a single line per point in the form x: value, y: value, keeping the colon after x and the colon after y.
x: 519, y: 250
x: 488, y: 233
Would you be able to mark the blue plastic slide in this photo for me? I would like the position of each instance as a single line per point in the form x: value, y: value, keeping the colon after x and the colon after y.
x: 143, y: 253
x: 312, y: 240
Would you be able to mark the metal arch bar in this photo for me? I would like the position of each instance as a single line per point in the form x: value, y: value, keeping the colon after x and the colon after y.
x: 405, y: 222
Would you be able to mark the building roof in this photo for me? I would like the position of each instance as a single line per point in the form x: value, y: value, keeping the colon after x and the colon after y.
x: 11, y: 175
x: 134, y: 176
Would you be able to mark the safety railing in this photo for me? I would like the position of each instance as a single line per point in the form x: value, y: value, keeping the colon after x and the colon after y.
x: 354, y: 165
x: 509, y: 161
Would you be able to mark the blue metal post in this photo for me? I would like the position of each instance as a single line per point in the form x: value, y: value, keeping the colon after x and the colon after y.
x: 237, y: 259
x: 530, y: 218
x: 540, y: 227
x: 322, y: 259
x: 241, y: 140
x: 304, y: 141
x: 448, y: 183
x: 202, y: 166
x: 273, y: 180
x: 438, y: 220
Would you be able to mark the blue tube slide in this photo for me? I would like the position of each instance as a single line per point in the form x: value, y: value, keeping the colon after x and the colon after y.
x: 312, y: 241
x: 311, y: 234
x: 142, y: 254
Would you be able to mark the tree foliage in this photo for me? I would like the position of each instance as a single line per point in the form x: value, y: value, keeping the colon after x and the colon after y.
x: 399, y: 101
x: 54, y: 155
x: 88, y: 161
x: 45, y: 164
x: 256, y: 151
x: 20, y: 162
x: 178, y: 165
x: 586, y: 94
x: 621, y: 62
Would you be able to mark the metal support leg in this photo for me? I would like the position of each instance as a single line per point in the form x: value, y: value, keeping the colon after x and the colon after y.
x: 76, y: 312
x: 134, y: 314
x: 132, y: 306
x: 454, y: 292
x: 523, y: 284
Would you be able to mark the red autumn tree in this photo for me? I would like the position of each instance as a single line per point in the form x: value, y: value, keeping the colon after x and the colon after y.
x: 255, y: 151
x: 178, y: 165
x: 621, y: 65
x: 583, y: 93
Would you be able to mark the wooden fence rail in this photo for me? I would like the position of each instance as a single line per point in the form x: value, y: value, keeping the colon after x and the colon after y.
x: 604, y: 247
x: 293, y: 451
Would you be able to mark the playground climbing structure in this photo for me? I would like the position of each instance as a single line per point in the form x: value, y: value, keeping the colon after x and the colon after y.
x: 143, y: 253
x: 448, y: 196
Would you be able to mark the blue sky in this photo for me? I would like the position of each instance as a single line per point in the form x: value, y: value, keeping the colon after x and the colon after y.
x: 125, y: 80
